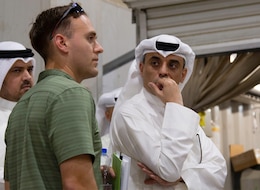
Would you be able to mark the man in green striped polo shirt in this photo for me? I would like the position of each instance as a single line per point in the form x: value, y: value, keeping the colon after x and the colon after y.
x: 52, y: 137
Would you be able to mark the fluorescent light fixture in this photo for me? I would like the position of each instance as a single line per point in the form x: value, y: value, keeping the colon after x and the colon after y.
x: 257, y: 88
x: 232, y: 57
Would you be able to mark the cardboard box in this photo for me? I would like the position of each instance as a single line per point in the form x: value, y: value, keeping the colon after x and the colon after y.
x: 235, y: 149
x: 246, y: 159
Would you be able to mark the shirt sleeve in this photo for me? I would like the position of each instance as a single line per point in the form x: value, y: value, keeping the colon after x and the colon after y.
x: 70, y: 124
x: 210, y: 172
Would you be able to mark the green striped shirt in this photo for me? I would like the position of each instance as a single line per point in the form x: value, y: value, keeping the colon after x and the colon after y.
x: 52, y: 122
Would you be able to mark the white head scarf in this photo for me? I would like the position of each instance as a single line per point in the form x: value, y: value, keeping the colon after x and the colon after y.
x: 164, y: 45
x: 106, y: 100
x: 10, y: 52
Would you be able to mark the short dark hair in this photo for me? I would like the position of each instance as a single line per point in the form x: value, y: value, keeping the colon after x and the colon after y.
x: 44, y: 25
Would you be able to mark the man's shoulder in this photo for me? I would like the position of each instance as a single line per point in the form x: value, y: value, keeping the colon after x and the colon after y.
x: 55, y: 87
x: 135, y: 103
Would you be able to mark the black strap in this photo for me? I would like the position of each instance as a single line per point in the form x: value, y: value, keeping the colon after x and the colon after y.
x: 200, y: 148
x: 166, y: 46
x: 16, y: 53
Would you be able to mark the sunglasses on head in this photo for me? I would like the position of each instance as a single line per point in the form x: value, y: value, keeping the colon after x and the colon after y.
x: 74, y: 8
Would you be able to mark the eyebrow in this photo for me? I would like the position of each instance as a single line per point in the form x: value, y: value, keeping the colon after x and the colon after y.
x: 171, y: 60
x: 174, y: 60
x: 19, y: 67
x: 92, y: 33
x: 155, y: 57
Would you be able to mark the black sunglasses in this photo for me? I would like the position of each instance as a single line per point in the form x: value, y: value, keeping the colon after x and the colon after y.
x: 74, y: 8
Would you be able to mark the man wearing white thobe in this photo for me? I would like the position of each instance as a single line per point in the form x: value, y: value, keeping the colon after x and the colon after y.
x: 169, y: 150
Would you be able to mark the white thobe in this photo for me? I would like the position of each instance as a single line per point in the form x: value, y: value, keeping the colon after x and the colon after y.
x: 167, y: 139
x: 6, y: 108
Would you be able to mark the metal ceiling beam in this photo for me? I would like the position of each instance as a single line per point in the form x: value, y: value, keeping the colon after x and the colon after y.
x: 144, y: 4
x: 118, y: 62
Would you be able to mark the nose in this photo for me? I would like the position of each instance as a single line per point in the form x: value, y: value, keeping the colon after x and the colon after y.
x: 161, y: 75
x: 163, y: 72
x: 98, y: 48
x: 27, y: 75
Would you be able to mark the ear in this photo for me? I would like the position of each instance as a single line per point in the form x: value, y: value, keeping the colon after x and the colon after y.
x: 61, y: 42
x: 107, y: 114
x: 141, y: 67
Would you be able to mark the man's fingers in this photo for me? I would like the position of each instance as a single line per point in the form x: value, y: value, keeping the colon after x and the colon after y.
x: 145, y: 169
x: 155, y: 88
x: 109, y: 169
x: 112, y: 172
x: 149, y: 181
x: 141, y: 165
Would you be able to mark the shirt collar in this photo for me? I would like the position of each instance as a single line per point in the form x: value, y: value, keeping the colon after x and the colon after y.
x: 51, y: 72
x: 6, y: 104
x: 152, y: 98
